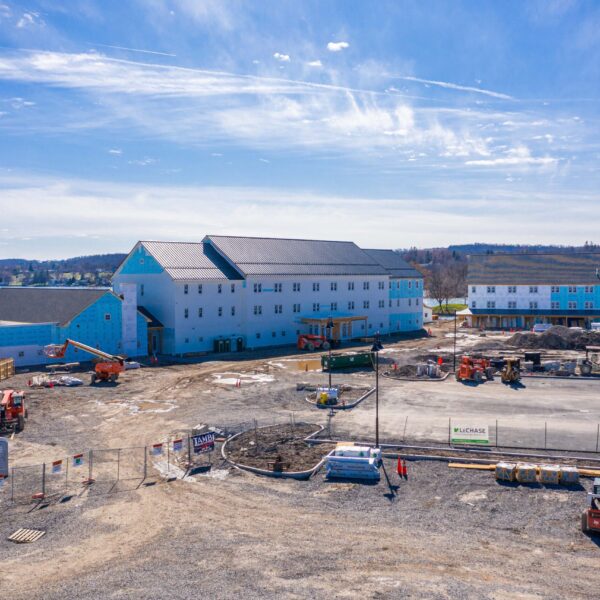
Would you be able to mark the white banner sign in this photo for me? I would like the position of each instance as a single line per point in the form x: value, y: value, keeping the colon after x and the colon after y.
x: 469, y: 434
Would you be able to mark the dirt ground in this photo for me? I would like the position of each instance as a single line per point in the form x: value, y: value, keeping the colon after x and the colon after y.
x: 443, y: 533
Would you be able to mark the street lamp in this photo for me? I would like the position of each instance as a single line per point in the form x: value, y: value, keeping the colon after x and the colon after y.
x: 329, y: 328
x: 377, y: 346
x: 454, y: 351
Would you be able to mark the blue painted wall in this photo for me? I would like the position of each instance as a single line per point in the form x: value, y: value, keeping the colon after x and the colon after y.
x: 140, y: 263
x: 400, y: 288
x: 91, y: 327
x: 563, y: 296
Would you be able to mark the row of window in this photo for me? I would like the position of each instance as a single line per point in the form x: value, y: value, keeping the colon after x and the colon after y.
x: 278, y: 308
x: 533, y: 289
x: 572, y: 305
x: 186, y: 288
x: 316, y: 286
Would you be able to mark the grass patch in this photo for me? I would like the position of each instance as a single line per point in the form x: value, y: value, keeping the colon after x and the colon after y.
x: 449, y: 309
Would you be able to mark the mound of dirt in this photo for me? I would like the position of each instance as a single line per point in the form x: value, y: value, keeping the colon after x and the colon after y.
x: 555, y: 338
x: 277, y: 448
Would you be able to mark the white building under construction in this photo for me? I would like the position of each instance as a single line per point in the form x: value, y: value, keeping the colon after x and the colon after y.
x: 229, y: 293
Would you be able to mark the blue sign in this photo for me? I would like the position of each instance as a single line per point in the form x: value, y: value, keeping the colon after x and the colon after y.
x: 3, y: 457
x: 205, y: 442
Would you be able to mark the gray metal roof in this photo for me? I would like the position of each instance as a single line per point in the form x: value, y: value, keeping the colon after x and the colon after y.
x: 279, y: 256
x: 535, y: 269
x: 190, y: 260
x: 45, y: 304
x: 394, y: 263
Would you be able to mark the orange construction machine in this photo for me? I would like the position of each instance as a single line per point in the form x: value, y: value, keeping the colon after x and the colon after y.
x: 311, y: 342
x: 590, y: 519
x: 12, y: 411
x: 107, y: 369
x: 474, y: 369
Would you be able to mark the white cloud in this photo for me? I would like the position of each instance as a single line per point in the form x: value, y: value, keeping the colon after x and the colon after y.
x: 337, y: 46
x: 397, y: 220
x: 144, y: 162
x: 281, y: 57
x: 455, y: 86
x: 136, y: 50
x: 315, y: 63
x: 519, y: 156
x: 116, y: 151
x: 30, y: 19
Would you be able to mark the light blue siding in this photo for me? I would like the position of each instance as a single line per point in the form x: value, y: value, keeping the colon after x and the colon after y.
x: 140, y: 263
x: 563, y: 297
x: 99, y: 326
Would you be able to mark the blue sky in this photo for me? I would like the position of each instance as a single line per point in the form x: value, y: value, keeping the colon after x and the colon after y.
x: 388, y: 123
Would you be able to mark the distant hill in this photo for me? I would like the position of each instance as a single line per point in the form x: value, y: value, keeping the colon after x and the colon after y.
x: 93, y: 270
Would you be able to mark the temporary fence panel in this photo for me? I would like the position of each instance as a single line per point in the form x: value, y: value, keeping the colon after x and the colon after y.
x: 25, y: 482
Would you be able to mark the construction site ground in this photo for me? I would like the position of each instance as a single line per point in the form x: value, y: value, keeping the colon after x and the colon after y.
x: 447, y: 533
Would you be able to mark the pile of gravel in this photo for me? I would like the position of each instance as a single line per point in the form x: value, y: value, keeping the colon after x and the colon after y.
x: 556, y: 338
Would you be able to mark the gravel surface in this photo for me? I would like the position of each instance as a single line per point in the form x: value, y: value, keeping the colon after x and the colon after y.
x: 229, y: 534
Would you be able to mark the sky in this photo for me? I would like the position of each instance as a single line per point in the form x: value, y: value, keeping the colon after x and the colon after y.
x: 391, y: 124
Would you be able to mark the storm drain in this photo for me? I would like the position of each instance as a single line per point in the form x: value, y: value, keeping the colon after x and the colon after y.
x: 26, y: 536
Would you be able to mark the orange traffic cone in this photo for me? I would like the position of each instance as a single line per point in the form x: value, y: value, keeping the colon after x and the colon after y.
x: 404, y: 469
x: 399, y: 467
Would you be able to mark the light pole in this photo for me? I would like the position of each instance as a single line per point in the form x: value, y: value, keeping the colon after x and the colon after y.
x: 377, y: 346
x: 454, y: 351
x: 329, y: 328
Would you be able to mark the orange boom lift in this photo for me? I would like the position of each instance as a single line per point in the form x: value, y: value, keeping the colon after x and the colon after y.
x: 107, y: 369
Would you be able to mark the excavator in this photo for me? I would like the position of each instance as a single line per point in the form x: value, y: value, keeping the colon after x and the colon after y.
x: 107, y: 369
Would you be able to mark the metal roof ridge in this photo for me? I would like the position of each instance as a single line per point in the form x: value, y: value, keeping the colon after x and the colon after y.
x: 283, y: 239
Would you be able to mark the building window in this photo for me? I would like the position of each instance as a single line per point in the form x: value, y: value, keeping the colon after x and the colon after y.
x: 199, y: 288
x: 350, y: 286
x: 315, y: 287
x: 409, y: 284
x: 334, y: 306
x: 589, y: 289
x: 351, y: 305
x: 296, y: 287
x: 107, y: 317
x: 219, y: 288
x: 141, y: 289
x: 258, y: 336
x: 278, y: 309
x: 512, y: 289
x: 187, y: 340
x: 533, y: 289
x: 390, y: 304
x: 21, y: 353
x: 473, y: 289
x: 186, y: 288
x: 491, y: 289
x: 316, y: 307
x: 572, y: 305
x: 555, y: 305
x: 555, y: 289
x: 233, y: 311
x: 572, y: 289
x: 273, y: 334
x: 417, y: 284
x: 220, y: 311
x: 512, y: 304
x: 333, y: 286
x: 200, y: 339
x: 416, y: 302
x: 491, y: 304
x: 257, y: 309
x: 141, y: 261
x: 409, y: 302
x: 588, y: 305
x: 257, y: 288
x: 398, y: 302
x: 533, y: 305
x: 366, y: 303
x: 278, y: 287
x: 365, y: 285
x: 382, y: 304
x: 186, y: 313
x: 382, y: 285
x: 200, y: 313
x: 473, y: 304
x: 283, y: 334
x: 233, y: 288
x: 296, y: 308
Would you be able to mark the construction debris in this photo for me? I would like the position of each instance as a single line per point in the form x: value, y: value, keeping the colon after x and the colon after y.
x: 26, y: 536
x: 556, y: 338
